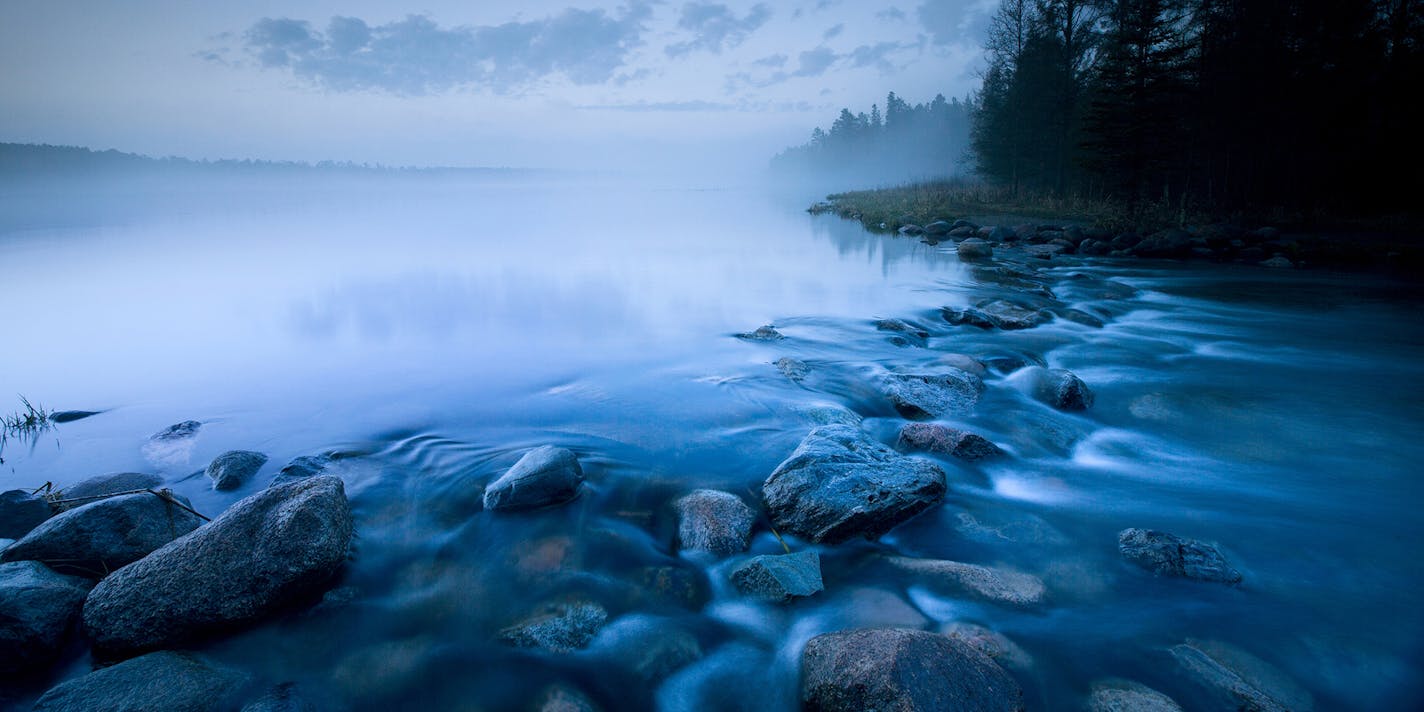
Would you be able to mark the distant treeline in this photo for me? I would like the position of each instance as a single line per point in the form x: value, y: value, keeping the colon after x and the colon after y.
x: 1306, y: 105
x: 24, y: 160
x: 906, y: 142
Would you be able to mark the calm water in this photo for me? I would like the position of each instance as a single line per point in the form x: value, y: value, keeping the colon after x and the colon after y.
x: 428, y: 332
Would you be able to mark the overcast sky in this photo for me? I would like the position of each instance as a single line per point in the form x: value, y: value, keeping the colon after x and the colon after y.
x: 537, y: 83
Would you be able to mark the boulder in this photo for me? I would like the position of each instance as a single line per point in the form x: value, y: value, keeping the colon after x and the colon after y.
x: 562, y: 698
x: 1011, y: 316
x: 991, y: 643
x: 38, y: 608
x: 1125, y: 241
x: 22, y: 511
x: 967, y: 317
x: 1057, y: 387
x: 1094, y: 247
x: 281, y: 698
x: 114, y: 483
x: 1165, y: 243
x: 69, y: 416
x: 169, y: 681
x: 102, y: 536
x: 964, y: 363
x: 911, y: 229
x: 1046, y: 251
x: 1001, y: 234
x: 281, y: 546
x: 975, y: 249
x: 1128, y: 696
x: 963, y: 223
x: 546, y: 475
x: 762, y: 333
x: 780, y: 577
x: 1170, y: 555
x: 181, y: 431
x: 963, y: 231
x: 301, y: 468
x: 1238, y: 679
x: 561, y: 628
x: 1078, y: 316
x: 907, y: 334
x: 899, y: 669
x: 1001, y: 586
x: 938, y: 227
x: 840, y: 484
x: 234, y: 468
x: 945, y: 440
x: 917, y: 395
x: 713, y: 521
x: 793, y: 368
x: 651, y: 648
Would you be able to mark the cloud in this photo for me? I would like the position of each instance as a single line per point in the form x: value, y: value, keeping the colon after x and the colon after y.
x: 776, y: 61
x: 950, y: 21
x: 892, y: 14
x: 833, y: 32
x: 716, y: 27
x: 647, y: 106
x: 877, y: 55
x: 814, y: 62
x: 416, y: 56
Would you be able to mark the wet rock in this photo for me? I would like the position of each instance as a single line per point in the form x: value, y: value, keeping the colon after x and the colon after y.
x: 947, y: 441
x: 562, y: 698
x: 1001, y: 586
x: 932, y: 395
x: 1056, y: 387
x: 652, y: 648
x: 965, y: 363
x: 975, y: 249
x: 38, y: 608
x: 281, y: 698
x: 828, y: 414
x: 964, y: 223
x: 301, y: 468
x: 715, y: 522
x: 563, y: 628
x: 1046, y: 251
x: 1011, y: 316
x: 999, y: 233
x: 181, y: 431
x: 967, y: 317
x: 1078, y: 316
x: 681, y: 586
x: 22, y: 511
x: 114, y: 483
x: 1125, y: 241
x: 1166, y: 243
x: 69, y: 416
x: 1128, y: 696
x: 898, y: 669
x: 911, y: 229
x: 544, y: 476
x: 841, y: 484
x: 1170, y: 555
x: 938, y: 227
x: 794, y: 369
x: 234, y: 468
x: 102, y: 536
x: 1094, y: 247
x: 174, y: 682
x: 991, y: 643
x: 909, y: 334
x: 962, y: 232
x: 1240, y: 680
x: 780, y: 577
x: 1278, y: 262
x: 762, y: 333
x: 269, y: 551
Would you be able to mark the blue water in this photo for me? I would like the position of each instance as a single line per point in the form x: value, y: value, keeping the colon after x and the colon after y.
x: 427, y: 332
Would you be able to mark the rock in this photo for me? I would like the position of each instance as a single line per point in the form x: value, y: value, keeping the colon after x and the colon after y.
x: 1078, y: 316
x: 840, y: 484
x: 1128, y: 696
x: 911, y: 229
x: 962, y: 232
x: 994, y: 585
x: 899, y: 669
x: 681, y: 586
x: 281, y: 698
x: 102, y: 536
x: 991, y: 643
x: 1046, y: 251
x: 1240, y: 680
x: 794, y: 369
x: 1170, y: 555
x: 1010, y: 316
x: 965, y: 363
x: 234, y: 468
x: 780, y: 577
x: 909, y: 334
x: 101, y: 485
x: 827, y: 414
x: 1125, y: 241
x: 562, y: 698
x: 1001, y: 234
x: 947, y: 441
x: 38, y: 608
x: 1094, y: 247
x: 69, y: 416
x: 266, y: 552
x: 932, y: 395
x: 650, y: 647
x: 562, y: 628
x: 173, y: 682
x: 975, y: 249
x: 1057, y: 387
x: 301, y: 468
x: 715, y: 522
x: 1165, y: 243
x: 545, y: 476
x: 762, y: 333
x: 1278, y: 262
x: 22, y: 511
x: 968, y: 316
x: 181, y: 431
x: 938, y: 227
x: 963, y: 223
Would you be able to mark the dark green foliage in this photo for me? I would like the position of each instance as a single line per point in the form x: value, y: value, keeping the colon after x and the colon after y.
x: 919, y: 141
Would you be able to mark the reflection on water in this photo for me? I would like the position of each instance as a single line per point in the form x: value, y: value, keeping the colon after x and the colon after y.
x: 425, y: 334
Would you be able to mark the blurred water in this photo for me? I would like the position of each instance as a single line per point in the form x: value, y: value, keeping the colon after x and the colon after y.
x: 428, y: 332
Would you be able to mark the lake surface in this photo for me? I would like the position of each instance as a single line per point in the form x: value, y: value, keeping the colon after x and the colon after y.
x: 428, y: 332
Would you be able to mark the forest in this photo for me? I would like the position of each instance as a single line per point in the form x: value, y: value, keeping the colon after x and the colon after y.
x: 906, y: 142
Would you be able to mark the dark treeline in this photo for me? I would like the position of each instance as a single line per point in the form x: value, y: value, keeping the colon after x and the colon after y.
x: 905, y: 142
x: 1223, y: 105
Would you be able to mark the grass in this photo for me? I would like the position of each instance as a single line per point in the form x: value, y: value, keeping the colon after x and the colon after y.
x: 887, y: 209
x: 25, y: 424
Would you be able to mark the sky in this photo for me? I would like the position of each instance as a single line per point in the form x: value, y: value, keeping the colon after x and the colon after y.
x: 538, y: 83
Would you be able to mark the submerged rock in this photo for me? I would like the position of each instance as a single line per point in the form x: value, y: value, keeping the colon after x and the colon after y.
x: 561, y: 629
x: 1012, y: 316
x: 792, y: 368
x: 21, y: 511
x: 1170, y: 555
x: 301, y: 468
x: 113, y: 483
x: 234, y: 468
x: 995, y: 585
x: 932, y: 395
x: 281, y: 698
x: 967, y: 317
x: 1058, y: 388
x: 181, y: 431
x: 100, y: 537
x: 907, y: 333
x: 841, y: 484
x: 174, y: 682
x: 899, y: 669
x: 1128, y: 696
x: 762, y: 333
x: 938, y: 227
x: 975, y: 249
x: 69, y: 416
x: 1240, y: 680
x: 543, y: 476
x: 911, y: 229
x: 38, y: 608
x: 651, y: 648
x: 944, y: 440
x: 780, y: 577
x: 269, y: 551
x: 715, y: 522
x: 562, y: 698
x: 989, y: 642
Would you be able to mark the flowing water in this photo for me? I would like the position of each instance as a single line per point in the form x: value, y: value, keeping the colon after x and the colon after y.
x: 427, y: 332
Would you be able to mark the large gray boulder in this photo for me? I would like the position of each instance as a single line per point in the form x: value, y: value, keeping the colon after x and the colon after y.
x: 1002, y: 586
x: 280, y: 546
x: 780, y: 577
x: 1170, y: 555
x: 21, y: 511
x: 101, y: 485
x: 545, y: 475
x: 840, y: 484
x: 1057, y: 387
x: 1011, y: 316
x: 38, y: 607
x: 102, y: 536
x: 301, y: 468
x: 713, y: 521
x: 900, y: 669
x: 234, y: 468
x: 169, y: 681
x: 1128, y: 696
x: 1236, y: 679
x: 975, y: 249
x: 921, y: 395
x: 944, y: 440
